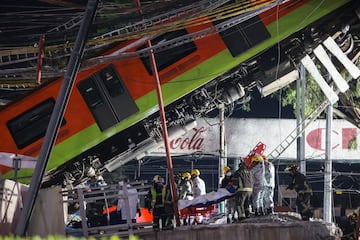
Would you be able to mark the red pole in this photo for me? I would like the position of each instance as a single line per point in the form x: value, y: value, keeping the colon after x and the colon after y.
x: 164, y: 127
x: 40, y: 59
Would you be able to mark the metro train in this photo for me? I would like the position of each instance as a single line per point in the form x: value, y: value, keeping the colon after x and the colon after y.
x: 112, y: 116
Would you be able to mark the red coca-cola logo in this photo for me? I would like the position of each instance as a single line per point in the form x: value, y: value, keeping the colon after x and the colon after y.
x: 194, y: 142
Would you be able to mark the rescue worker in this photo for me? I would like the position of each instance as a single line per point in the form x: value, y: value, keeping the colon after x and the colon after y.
x: 132, y: 196
x: 230, y: 203
x: 168, y: 209
x: 258, y: 173
x: 157, y: 194
x: 227, y: 177
x: 199, y: 189
x: 198, y: 183
x: 243, y: 181
x: 269, y: 186
x: 186, y: 187
x: 303, y: 189
x: 94, y: 208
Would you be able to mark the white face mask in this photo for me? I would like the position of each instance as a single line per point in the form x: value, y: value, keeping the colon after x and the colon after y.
x: 228, y: 174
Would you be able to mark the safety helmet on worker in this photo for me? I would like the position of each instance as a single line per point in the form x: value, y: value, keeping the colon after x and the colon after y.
x: 186, y: 175
x: 291, y: 167
x: 157, y: 178
x: 195, y: 172
x: 256, y: 158
x: 226, y: 169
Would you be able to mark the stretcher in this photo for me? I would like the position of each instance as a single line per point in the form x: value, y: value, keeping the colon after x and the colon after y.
x: 193, y: 211
x: 195, y: 215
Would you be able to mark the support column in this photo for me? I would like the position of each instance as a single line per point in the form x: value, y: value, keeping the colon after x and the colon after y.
x: 300, y: 116
x: 327, y: 209
x: 222, y: 150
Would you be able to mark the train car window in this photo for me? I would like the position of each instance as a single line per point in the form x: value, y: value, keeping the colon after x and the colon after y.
x: 170, y: 56
x: 31, y: 125
x: 107, y: 97
x: 112, y: 82
x: 244, y: 36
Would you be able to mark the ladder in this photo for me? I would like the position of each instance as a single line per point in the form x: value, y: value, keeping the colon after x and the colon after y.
x: 285, y: 144
x: 341, y: 84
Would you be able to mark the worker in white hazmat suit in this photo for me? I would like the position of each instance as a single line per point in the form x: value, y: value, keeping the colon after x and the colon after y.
x: 258, y: 172
x: 269, y: 186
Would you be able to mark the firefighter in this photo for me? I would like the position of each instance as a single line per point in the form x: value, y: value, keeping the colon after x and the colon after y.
x: 198, y: 183
x: 303, y: 189
x: 258, y: 173
x: 269, y: 186
x: 230, y: 204
x: 186, y: 187
x: 156, y: 195
x: 242, y: 180
x: 168, y: 209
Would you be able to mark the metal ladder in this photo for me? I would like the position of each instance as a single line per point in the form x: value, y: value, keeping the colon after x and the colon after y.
x: 274, y: 154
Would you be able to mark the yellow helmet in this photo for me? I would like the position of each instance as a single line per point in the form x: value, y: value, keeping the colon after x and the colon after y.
x: 226, y: 169
x: 256, y: 159
x: 186, y: 175
x: 157, y: 178
x: 195, y: 172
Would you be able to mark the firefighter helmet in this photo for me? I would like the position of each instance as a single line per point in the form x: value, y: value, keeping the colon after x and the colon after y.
x: 157, y: 178
x: 256, y: 159
x: 186, y: 175
x: 226, y: 169
x: 195, y: 172
x: 292, y: 167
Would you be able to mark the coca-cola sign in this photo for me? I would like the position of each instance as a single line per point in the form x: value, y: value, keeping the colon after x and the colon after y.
x: 241, y: 135
x: 193, y: 141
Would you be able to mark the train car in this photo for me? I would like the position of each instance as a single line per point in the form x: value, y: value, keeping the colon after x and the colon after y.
x: 112, y: 115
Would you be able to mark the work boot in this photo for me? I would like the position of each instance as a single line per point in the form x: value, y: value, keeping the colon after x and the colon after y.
x: 260, y: 212
x: 269, y: 211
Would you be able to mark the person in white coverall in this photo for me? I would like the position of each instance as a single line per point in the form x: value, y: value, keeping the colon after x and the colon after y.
x: 131, y: 195
x: 269, y: 186
x: 199, y: 189
x: 258, y: 172
x: 199, y: 186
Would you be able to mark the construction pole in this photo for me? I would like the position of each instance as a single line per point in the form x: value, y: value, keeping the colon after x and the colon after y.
x: 327, y: 212
x: 56, y: 117
x: 163, y: 124
x: 222, y: 151
x: 40, y: 59
x: 300, y: 116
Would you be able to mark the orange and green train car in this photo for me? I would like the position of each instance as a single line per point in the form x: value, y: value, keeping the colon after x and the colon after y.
x: 113, y: 108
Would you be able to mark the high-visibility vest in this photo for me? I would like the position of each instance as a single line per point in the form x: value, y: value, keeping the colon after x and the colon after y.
x: 154, y: 195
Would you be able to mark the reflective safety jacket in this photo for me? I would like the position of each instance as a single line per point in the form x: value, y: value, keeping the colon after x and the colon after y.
x: 158, y: 193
